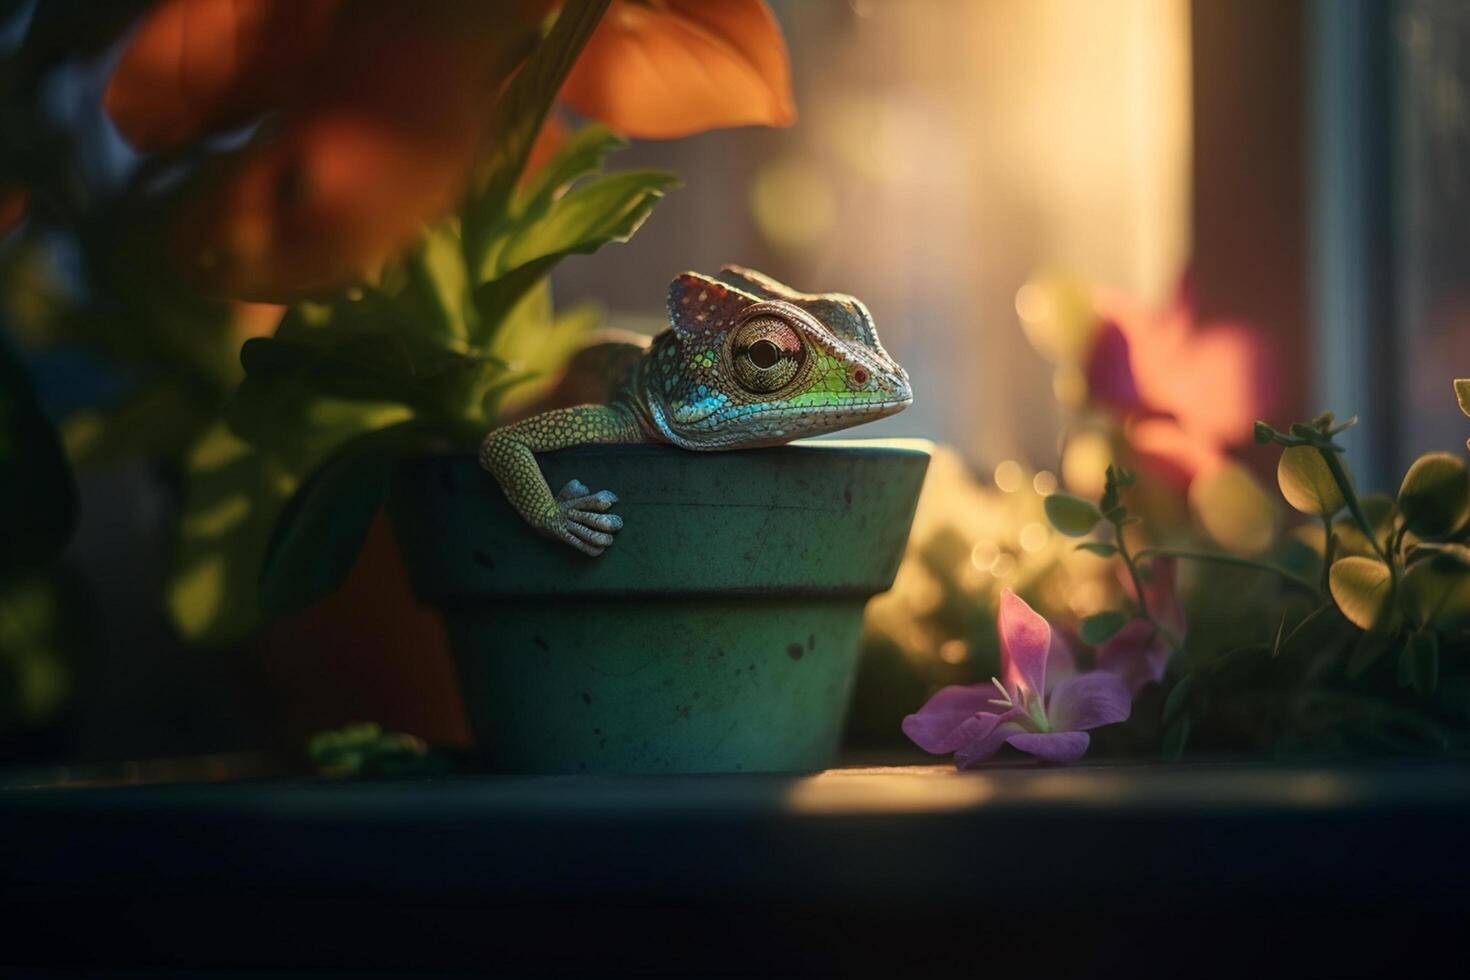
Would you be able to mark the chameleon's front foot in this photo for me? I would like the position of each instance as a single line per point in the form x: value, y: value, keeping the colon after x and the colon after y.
x: 582, y: 519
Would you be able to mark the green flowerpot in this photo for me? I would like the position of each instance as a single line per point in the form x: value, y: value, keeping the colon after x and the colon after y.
x: 718, y: 634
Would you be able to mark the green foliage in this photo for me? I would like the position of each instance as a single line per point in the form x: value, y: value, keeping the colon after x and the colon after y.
x: 45, y: 634
x: 1380, y: 659
x: 1071, y: 515
x: 1383, y: 664
x: 429, y: 353
x: 1436, y: 587
x: 1102, y: 627
x: 321, y: 530
x: 1307, y: 483
x: 1419, y: 662
x: 1462, y: 395
x: 365, y: 751
x: 1363, y: 590
x: 38, y: 496
x: 1435, y: 496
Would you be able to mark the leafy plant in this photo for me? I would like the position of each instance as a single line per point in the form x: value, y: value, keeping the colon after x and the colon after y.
x: 429, y: 353
x: 38, y: 499
x: 365, y: 751
x: 1378, y: 653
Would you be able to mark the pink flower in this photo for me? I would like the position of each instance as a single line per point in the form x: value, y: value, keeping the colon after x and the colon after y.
x: 1046, y: 718
x: 1138, y: 653
x: 1187, y: 391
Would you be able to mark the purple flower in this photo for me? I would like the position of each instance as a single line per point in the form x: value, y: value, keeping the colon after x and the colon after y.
x: 1047, y: 717
x: 1138, y: 653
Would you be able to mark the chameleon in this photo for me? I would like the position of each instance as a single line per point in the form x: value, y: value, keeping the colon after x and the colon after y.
x: 745, y: 362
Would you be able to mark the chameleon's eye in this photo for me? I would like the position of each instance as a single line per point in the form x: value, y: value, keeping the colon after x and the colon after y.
x: 766, y: 353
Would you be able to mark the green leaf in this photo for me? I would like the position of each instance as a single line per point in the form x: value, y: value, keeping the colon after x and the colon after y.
x: 437, y: 300
x: 159, y: 421
x: 581, y: 155
x: 1176, y: 738
x: 1263, y: 433
x: 1462, y: 394
x: 308, y: 397
x: 1366, y: 652
x: 1419, y: 662
x: 46, y: 635
x: 1436, y: 587
x: 1178, y: 697
x: 1071, y: 515
x: 1101, y: 627
x: 1363, y: 591
x: 1100, y: 548
x: 366, y: 751
x: 591, y: 215
x: 321, y: 530
x: 233, y: 494
x: 38, y: 497
x: 536, y: 347
x: 1435, y: 495
x: 1116, y: 479
x: 1306, y: 482
x: 518, y: 116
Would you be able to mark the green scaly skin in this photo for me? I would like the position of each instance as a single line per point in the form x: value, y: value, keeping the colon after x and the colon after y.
x: 746, y: 362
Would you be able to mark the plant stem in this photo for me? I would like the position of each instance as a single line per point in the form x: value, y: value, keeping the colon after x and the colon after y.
x: 1133, y: 573
x: 1329, y: 550
x: 1301, y: 624
x: 1339, y: 476
x: 1222, y: 559
x: 1131, y: 561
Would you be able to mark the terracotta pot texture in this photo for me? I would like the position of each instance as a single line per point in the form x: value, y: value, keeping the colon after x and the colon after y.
x: 718, y: 634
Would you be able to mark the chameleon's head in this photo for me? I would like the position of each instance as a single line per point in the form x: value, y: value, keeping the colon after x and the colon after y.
x: 757, y: 363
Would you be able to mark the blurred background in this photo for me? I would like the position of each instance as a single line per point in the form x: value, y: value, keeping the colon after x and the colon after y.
x: 1295, y: 174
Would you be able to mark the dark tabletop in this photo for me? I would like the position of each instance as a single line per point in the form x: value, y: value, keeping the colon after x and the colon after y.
x: 908, y: 868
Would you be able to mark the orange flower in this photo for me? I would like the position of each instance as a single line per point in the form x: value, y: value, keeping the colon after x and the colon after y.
x: 13, y: 204
x: 376, y: 112
x: 664, y: 68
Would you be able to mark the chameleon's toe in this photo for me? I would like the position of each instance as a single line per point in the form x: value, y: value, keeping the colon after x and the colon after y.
x: 582, y: 518
x: 600, y: 522
x: 601, y: 500
x: 574, y: 488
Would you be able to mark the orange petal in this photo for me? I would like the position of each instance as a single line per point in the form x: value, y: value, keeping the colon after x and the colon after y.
x: 13, y: 203
x: 323, y: 206
x: 194, y: 66
x: 379, y: 146
x: 680, y: 66
x: 549, y: 141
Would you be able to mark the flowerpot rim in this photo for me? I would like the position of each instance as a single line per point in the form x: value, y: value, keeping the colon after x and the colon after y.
x: 816, y: 517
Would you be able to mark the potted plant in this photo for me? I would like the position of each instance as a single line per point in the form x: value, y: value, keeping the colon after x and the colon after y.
x: 721, y: 636
x: 387, y: 351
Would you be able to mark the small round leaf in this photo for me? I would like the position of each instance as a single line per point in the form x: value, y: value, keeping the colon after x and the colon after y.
x: 1233, y: 508
x: 1437, y: 588
x: 1307, y: 483
x: 1363, y: 591
x: 1462, y: 394
x: 1435, y: 495
x: 1419, y: 662
x: 1071, y: 515
x: 1101, y: 627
